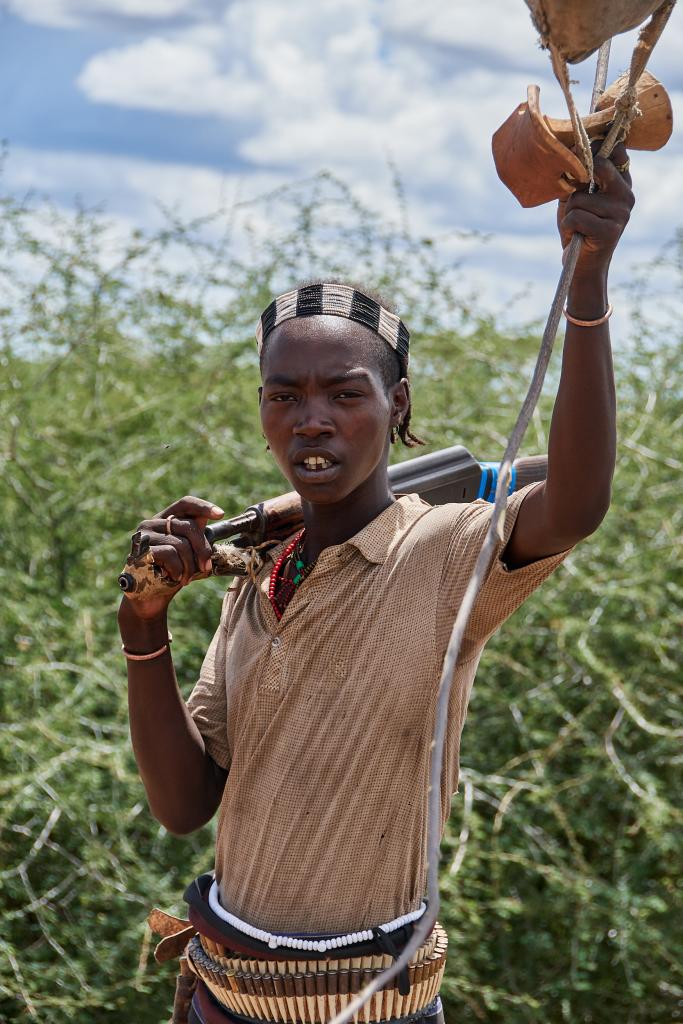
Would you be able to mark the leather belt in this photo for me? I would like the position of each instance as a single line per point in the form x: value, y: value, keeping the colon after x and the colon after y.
x: 206, y: 1010
x: 311, y: 992
x: 242, y: 979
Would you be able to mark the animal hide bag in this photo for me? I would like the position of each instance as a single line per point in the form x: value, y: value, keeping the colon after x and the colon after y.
x: 577, y: 28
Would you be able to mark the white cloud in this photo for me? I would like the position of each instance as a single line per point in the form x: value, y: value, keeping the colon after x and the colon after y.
x: 348, y: 85
x: 498, y: 28
x: 168, y: 75
x: 74, y: 13
x: 324, y: 93
x: 136, y: 189
x: 350, y: 89
x: 278, y: 54
x: 658, y: 184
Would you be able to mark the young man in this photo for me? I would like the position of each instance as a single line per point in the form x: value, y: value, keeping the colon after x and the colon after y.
x: 311, y: 723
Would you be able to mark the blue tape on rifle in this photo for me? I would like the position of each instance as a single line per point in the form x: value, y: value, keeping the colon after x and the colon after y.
x: 489, y: 480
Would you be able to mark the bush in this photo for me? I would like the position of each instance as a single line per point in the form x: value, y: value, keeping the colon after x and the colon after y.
x: 128, y: 379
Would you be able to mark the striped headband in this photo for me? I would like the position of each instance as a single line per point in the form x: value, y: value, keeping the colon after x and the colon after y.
x: 335, y: 300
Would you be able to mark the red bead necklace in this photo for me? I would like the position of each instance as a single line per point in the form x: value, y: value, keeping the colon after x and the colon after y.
x: 280, y: 589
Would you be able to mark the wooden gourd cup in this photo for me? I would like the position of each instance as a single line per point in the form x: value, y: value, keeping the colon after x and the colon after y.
x: 532, y: 152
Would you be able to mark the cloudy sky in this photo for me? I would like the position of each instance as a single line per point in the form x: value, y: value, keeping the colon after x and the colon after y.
x: 187, y: 102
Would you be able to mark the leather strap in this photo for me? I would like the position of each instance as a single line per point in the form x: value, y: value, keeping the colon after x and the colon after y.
x: 206, y: 1010
x: 213, y: 927
x: 175, y: 933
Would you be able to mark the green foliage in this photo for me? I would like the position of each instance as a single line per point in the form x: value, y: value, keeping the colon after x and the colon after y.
x: 128, y: 378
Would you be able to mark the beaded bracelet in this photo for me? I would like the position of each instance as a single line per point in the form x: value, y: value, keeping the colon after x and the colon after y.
x: 146, y: 657
x: 588, y: 323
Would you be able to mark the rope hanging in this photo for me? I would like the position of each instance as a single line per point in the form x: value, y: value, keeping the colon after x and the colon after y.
x: 583, y: 143
x: 626, y: 111
x: 626, y: 103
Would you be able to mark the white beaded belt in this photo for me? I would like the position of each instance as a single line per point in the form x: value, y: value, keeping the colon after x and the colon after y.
x: 291, y: 942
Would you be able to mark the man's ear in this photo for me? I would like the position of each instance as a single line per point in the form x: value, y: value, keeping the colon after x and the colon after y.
x: 260, y: 394
x: 400, y: 398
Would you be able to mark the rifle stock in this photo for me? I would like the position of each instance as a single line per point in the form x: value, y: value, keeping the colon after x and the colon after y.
x: 449, y: 475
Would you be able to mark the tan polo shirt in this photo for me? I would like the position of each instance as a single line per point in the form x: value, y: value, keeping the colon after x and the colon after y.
x: 325, y: 718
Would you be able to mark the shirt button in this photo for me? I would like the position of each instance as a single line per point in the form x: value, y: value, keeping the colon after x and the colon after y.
x: 276, y: 642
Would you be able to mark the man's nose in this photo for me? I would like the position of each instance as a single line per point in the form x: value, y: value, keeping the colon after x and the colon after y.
x: 314, y: 420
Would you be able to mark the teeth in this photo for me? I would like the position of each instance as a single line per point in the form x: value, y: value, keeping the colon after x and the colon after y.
x: 316, y: 462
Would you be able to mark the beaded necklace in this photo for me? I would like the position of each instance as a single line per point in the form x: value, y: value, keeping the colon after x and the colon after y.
x: 281, y: 588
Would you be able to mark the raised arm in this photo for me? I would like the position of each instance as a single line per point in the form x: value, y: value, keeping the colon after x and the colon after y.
x: 183, y: 783
x: 574, y: 499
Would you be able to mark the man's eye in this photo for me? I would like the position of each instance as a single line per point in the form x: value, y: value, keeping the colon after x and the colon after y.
x: 349, y: 394
x: 282, y: 398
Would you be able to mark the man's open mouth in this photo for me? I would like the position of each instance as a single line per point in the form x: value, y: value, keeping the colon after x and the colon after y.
x: 316, y: 463
x: 320, y: 465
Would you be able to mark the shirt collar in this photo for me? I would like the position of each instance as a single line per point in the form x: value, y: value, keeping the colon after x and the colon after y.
x: 375, y: 539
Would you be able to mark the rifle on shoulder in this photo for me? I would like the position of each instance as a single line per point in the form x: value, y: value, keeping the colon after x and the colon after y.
x: 449, y: 475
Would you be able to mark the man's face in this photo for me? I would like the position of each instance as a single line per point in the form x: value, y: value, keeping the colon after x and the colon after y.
x: 325, y: 409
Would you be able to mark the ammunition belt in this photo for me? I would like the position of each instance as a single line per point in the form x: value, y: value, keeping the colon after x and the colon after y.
x: 303, y: 991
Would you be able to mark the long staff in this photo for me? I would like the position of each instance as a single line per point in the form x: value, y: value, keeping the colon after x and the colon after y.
x: 423, y: 928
